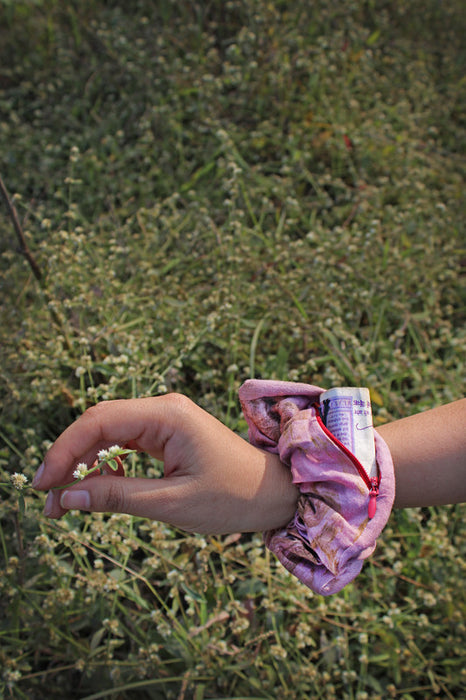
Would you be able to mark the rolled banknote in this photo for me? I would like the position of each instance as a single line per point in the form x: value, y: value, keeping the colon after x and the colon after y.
x: 346, y: 412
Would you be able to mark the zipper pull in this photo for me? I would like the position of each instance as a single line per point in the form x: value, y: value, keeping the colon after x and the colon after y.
x: 373, y: 493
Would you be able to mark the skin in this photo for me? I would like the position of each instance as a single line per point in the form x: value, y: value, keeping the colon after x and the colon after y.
x: 215, y: 482
x: 429, y: 455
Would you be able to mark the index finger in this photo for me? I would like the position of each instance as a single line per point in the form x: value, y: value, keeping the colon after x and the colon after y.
x: 146, y: 424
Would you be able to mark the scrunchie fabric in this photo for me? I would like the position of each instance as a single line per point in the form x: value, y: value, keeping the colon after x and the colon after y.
x: 337, y: 522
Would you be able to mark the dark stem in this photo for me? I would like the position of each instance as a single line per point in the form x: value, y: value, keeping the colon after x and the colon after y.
x: 19, y: 232
x: 19, y: 541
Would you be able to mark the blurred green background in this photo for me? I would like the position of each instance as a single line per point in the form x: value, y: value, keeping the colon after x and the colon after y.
x: 214, y: 191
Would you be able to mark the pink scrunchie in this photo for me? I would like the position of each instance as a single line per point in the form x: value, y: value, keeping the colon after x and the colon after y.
x: 331, y: 534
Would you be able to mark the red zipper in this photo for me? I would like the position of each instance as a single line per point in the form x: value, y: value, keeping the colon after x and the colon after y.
x: 371, y: 483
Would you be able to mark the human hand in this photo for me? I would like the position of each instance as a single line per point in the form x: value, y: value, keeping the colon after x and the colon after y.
x: 214, y: 481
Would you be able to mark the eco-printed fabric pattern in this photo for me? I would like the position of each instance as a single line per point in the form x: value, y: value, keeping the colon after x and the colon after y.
x: 331, y: 534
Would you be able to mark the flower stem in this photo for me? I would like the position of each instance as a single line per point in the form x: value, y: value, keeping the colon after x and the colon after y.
x: 77, y: 481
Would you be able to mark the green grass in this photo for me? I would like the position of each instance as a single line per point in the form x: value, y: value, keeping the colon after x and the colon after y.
x: 214, y: 191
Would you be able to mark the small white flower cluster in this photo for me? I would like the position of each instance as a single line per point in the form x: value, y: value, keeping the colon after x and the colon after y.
x: 81, y: 471
x: 112, y: 451
x: 18, y: 480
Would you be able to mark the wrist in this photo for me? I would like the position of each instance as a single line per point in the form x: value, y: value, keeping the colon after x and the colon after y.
x: 281, y: 495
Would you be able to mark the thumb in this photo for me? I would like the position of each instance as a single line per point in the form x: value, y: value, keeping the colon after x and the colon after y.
x: 159, y: 499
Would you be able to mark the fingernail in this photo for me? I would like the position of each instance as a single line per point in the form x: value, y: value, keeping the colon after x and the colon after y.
x: 38, y: 476
x: 79, y: 500
x: 48, y: 504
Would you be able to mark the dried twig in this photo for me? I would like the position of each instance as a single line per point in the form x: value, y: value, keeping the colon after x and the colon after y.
x: 23, y: 246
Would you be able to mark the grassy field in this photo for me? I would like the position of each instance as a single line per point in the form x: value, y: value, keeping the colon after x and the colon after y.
x: 213, y: 191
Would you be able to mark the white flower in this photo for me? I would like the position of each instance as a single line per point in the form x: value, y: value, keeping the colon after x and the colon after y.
x: 102, y: 455
x: 114, y: 450
x: 19, y: 481
x: 81, y: 471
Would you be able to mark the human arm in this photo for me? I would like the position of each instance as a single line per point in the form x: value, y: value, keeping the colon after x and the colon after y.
x: 216, y: 482
x: 429, y: 455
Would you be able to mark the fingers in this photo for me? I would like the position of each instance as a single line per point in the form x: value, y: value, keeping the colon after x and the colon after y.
x: 147, y: 424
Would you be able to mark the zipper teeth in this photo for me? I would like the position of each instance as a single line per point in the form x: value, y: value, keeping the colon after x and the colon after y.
x: 365, y: 476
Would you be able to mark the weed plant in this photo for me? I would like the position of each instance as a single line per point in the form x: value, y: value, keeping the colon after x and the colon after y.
x: 215, y: 191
